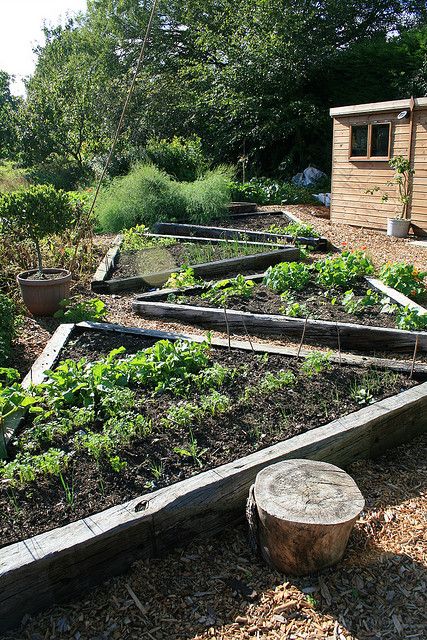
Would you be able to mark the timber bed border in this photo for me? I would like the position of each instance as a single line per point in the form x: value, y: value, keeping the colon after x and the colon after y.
x: 274, y: 254
x: 228, y: 233
x: 334, y: 334
x: 65, y: 562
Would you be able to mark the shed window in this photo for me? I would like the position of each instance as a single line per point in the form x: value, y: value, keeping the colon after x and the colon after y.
x: 370, y: 141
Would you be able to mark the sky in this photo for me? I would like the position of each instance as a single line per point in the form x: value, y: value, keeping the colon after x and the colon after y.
x: 21, y: 24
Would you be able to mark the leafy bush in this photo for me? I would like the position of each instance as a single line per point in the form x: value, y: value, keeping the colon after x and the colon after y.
x: 344, y: 269
x: 287, y: 276
x: 61, y: 175
x: 181, y: 158
x: 405, y: 278
x: 7, y: 327
x: 35, y: 213
x: 148, y: 195
x: 268, y: 191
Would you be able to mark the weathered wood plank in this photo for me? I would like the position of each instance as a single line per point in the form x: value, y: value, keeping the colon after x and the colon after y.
x: 107, y: 263
x: 190, y: 230
x: 242, y: 207
x: 352, y: 336
x: 394, y: 295
x: 209, y: 269
x: 65, y: 562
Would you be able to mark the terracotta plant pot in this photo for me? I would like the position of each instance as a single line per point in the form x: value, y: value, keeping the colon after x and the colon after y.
x: 42, y: 297
x: 398, y: 227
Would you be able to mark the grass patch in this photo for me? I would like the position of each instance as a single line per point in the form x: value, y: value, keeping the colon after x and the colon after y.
x: 11, y: 178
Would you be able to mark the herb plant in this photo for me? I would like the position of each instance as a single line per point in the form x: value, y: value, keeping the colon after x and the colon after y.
x: 183, y: 278
x: 404, y: 277
x: 287, y: 276
x: 316, y: 362
x: 296, y: 229
x: 219, y: 292
x: 344, y: 269
x: 411, y: 319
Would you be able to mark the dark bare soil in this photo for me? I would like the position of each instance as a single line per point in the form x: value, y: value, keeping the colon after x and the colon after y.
x: 313, y: 297
x: 157, y: 259
x: 255, y: 222
x: 247, y: 425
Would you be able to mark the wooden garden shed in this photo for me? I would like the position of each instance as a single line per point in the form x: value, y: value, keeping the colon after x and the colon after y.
x: 366, y: 137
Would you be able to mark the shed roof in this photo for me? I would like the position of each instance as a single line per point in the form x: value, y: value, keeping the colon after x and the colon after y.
x: 377, y: 107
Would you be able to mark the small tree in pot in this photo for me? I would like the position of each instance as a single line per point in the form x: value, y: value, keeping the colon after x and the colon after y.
x: 33, y: 214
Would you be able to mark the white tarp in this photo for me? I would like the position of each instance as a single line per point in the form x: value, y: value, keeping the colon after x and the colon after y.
x: 324, y: 198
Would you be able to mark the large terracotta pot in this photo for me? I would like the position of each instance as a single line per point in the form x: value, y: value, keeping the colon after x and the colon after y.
x: 42, y: 297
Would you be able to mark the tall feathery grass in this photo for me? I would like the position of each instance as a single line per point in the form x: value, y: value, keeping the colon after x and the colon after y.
x: 147, y: 195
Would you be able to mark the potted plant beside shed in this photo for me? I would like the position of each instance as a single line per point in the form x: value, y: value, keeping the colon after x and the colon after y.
x: 32, y: 214
x: 398, y: 226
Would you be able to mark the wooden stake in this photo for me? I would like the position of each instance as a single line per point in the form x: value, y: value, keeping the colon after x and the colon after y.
x: 302, y: 337
x: 413, y: 358
x: 339, y: 343
x: 247, y: 334
x: 228, y: 328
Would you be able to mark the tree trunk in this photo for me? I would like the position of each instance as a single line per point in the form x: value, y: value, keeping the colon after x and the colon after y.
x: 305, y: 512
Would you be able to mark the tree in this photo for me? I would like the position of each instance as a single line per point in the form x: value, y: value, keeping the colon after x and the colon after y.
x: 8, y: 111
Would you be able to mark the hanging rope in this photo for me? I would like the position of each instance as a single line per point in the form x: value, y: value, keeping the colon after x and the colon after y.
x: 86, y: 218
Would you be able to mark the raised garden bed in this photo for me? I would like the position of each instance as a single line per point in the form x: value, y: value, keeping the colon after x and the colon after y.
x: 244, y: 233
x: 324, y: 319
x: 58, y: 564
x: 151, y: 267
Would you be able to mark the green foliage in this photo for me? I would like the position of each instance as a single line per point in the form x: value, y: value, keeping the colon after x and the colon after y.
x: 207, y: 197
x: 192, y: 450
x: 179, y: 157
x: 26, y: 468
x: 144, y: 196
x: 184, y: 278
x: 355, y: 305
x: 296, y: 229
x: 220, y: 292
x: 287, y: 276
x: 35, y: 213
x: 8, y: 323
x: 344, y: 269
x: 411, y: 319
x: 316, y: 362
x: 136, y: 239
x: 272, y: 382
x: 294, y: 309
x: 268, y: 191
x: 404, y: 277
x: 93, y: 310
x: 12, y: 178
x: 148, y: 195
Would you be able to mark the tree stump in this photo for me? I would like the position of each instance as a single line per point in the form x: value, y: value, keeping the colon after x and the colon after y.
x: 305, y: 511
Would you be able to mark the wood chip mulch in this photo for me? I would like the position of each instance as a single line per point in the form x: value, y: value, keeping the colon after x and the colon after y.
x: 380, y: 247
x: 215, y: 589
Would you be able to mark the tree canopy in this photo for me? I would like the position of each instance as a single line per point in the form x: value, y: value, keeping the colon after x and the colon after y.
x: 255, y: 77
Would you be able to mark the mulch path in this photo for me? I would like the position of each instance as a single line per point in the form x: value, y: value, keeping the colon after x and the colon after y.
x: 215, y: 589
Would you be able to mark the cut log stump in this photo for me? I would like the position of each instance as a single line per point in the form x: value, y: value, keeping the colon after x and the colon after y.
x: 304, y: 512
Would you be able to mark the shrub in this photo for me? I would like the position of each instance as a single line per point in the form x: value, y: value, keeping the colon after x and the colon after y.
x: 181, y: 158
x: 7, y: 327
x: 35, y: 213
x: 67, y: 176
x: 148, y: 195
x: 269, y: 191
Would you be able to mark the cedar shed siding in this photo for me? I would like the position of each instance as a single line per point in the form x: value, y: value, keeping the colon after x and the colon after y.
x: 351, y: 178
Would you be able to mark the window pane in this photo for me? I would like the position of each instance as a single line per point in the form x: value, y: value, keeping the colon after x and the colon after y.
x: 359, y: 140
x: 380, y: 140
